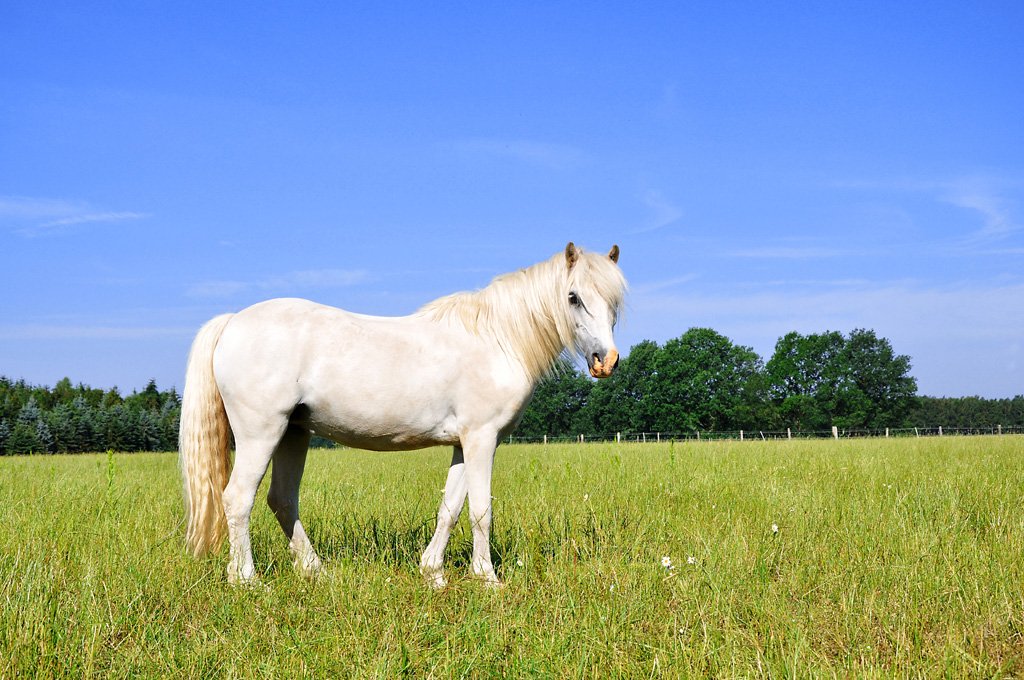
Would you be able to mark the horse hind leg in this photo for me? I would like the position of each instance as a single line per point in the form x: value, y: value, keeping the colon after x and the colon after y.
x: 283, y: 498
x: 253, y: 451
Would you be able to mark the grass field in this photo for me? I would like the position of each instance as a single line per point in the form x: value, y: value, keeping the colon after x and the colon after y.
x: 891, y: 557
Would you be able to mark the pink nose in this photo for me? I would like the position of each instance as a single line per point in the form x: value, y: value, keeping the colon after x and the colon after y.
x: 603, y: 369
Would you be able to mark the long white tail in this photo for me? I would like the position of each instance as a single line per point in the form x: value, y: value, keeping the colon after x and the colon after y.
x: 204, y: 439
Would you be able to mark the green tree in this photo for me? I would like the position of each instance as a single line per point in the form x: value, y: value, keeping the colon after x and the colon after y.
x: 5, y: 435
x: 805, y: 378
x: 149, y: 399
x: 556, y: 403
x: 23, y: 439
x: 170, y: 415
x: 882, y: 391
x: 705, y: 382
x: 826, y: 379
x: 622, y: 403
x: 62, y: 427
x: 112, y: 398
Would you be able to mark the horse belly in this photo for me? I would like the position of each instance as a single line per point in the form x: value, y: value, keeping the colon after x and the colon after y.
x: 382, y: 431
x: 369, y: 411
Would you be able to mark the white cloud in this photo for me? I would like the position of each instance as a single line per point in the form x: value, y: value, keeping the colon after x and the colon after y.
x: 57, y: 332
x: 981, y: 197
x: 94, y: 217
x: 34, y: 217
x: 26, y: 208
x: 653, y: 286
x: 662, y: 212
x: 989, y: 197
x: 298, y: 280
x: 786, y: 253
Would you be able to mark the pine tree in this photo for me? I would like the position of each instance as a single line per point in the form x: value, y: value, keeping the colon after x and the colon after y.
x: 5, y: 434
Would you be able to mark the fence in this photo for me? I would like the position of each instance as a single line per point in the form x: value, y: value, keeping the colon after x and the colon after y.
x: 764, y: 435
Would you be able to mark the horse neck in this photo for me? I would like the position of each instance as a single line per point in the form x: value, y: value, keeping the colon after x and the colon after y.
x: 518, y: 311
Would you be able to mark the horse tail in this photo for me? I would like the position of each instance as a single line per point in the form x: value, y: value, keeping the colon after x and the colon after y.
x: 204, y: 439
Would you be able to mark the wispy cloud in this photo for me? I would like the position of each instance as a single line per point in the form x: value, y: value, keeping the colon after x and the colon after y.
x: 94, y: 217
x: 662, y: 212
x: 35, y: 217
x: 982, y: 197
x: 89, y: 332
x: 987, y: 197
x: 27, y: 208
x: 298, y: 280
x: 786, y: 253
x: 655, y: 286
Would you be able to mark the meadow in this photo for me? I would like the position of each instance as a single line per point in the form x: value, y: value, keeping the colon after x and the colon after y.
x: 865, y: 557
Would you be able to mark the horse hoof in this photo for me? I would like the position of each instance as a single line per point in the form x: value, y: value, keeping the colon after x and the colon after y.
x: 309, y: 567
x: 251, y: 583
x: 435, y: 580
x: 238, y: 577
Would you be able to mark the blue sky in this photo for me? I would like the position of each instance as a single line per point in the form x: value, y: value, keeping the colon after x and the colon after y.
x: 765, y: 167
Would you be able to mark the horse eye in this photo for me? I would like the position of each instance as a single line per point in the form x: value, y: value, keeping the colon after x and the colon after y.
x: 574, y: 299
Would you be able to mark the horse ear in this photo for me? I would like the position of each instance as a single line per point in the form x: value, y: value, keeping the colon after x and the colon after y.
x: 571, y: 254
x: 613, y: 254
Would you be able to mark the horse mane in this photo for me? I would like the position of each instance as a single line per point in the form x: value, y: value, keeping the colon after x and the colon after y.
x: 525, y: 311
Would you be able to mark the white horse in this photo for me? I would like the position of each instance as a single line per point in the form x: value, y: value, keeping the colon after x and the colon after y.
x: 459, y: 371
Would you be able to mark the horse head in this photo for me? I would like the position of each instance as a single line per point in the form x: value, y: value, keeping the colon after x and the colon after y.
x: 595, y: 292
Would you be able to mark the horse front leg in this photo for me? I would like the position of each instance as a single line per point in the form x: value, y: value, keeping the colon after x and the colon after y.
x: 432, y: 562
x: 479, y: 451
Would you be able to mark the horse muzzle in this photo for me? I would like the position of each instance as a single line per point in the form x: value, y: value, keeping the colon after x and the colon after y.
x: 604, y: 369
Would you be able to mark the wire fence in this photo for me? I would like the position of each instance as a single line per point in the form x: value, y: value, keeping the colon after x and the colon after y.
x: 765, y: 435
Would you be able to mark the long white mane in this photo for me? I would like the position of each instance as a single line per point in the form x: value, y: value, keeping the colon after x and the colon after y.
x: 526, y: 311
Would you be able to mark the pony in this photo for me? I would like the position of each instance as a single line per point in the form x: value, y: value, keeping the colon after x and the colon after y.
x: 459, y: 371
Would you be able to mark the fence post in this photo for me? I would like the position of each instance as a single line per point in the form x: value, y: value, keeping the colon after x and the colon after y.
x: 618, y: 437
x: 886, y: 433
x: 545, y: 440
x: 698, y: 435
x: 789, y: 433
x: 741, y: 435
x: 940, y: 430
x: 916, y: 433
x: 1000, y: 429
x: 835, y: 432
x: 659, y: 437
x: 644, y: 434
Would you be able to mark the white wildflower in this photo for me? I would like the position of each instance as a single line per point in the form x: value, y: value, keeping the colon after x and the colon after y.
x: 519, y: 563
x: 691, y: 560
x: 775, y: 528
x: 666, y: 562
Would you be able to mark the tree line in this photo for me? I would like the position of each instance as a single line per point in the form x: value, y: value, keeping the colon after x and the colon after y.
x: 76, y: 418
x: 699, y: 381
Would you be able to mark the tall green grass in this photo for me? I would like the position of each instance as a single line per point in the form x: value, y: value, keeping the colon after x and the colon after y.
x: 891, y: 557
